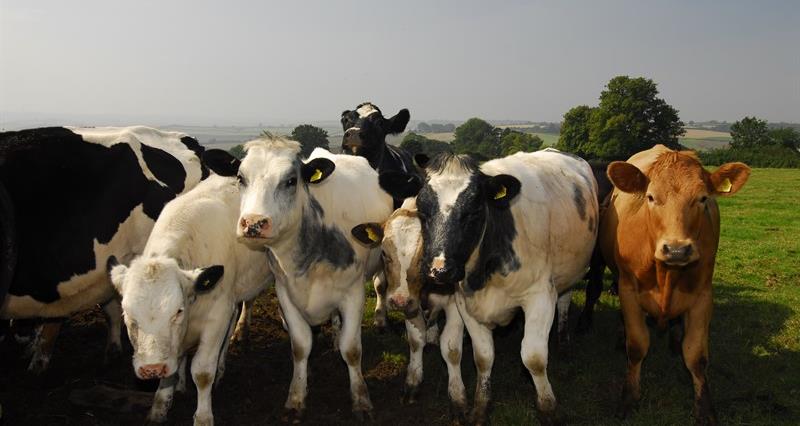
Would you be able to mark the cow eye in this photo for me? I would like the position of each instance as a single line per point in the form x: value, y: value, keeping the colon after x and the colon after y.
x: 240, y: 178
x: 703, y: 199
x: 650, y: 198
x: 386, y: 258
x: 292, y: 181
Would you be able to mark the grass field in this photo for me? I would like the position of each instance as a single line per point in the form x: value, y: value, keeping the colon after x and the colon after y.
x: 754, y: 368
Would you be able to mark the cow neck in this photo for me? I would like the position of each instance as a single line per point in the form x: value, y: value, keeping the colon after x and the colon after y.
x: 495, y: 251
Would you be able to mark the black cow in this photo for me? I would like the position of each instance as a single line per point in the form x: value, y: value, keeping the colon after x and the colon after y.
x: 80, y: 196
x: 365, y: 131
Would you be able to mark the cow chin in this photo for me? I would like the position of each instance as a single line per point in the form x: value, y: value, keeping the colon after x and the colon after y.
x: 253, y: 243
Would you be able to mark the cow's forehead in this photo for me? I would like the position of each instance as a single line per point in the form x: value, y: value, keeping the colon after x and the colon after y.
x: 266, y: 162
x: 152, y: 287
x: 448, y: 185
x: 403, y: 231
x: 367, y: 109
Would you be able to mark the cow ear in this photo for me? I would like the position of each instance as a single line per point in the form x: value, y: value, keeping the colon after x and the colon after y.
x: 729, y: 178
x: 397, y: 124
x: 207, y: 278
x: 422, y: 160
x: 116, y: 273
x: 400, y: 185
x: 501, y: 189
x: 317, y: 170
x: 221, y: 162
x: 371, y: 234
x: 627, y: 178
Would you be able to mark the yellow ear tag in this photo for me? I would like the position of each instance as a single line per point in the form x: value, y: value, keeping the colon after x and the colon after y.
x: 371, y: 234
x: 725, y: 186
x: 501, y: 193
x: 316, y: 176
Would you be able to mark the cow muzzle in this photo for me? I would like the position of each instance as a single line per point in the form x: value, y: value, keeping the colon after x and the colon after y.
x: 351, y: 141
x: 153, y: 371
x: 255, y: 226
x: 676, y: 252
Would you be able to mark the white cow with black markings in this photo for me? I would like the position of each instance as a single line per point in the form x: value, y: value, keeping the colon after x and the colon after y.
x: 182, y: 293
x: 303, y: 212
x: 513, y: 233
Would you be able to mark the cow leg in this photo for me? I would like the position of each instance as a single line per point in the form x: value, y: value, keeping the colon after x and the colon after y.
x: 113, y: 312
x: 594, y: 288
x: 432, y: 334
x: 379, y: 283
x: 181, y: 386
x: 223, y: 352
x: 162, y: 400
x: 43, y: 344
x: 352, y: 310
x: 483, y: 353
x: 242, y: 333
x: 416, y: 332
x: 207, y: 363
x: 564, y: 302
x: 336, y: 329
x: 637, y: 342
x: 301, y: 339
x: 450, y: 345
x: 539, y: 313
x: 695, y: 356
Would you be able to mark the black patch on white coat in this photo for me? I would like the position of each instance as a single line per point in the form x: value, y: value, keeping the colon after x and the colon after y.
x: 580, y: 202
x: 496, y: 253
x: 194, y: 146
x: 67, y: 193
x: 320, y: 243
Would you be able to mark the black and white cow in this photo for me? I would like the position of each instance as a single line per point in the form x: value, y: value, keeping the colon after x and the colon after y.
x: 181, y: 294
x: 303, y: 213
x: 79, y: 196
x: 512, y: 233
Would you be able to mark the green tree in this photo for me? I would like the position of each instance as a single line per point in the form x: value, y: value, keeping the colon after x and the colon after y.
x: 574, y: 135
x: 310, y: 137
x: 237, y: 151
x: 786, y: 137
x: 513, y: 141
x: 630, y: 118
x: 749, y: 132
x: 478, y: 138
x: 418, y: 144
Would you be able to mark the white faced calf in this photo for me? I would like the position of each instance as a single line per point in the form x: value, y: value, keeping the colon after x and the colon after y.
x: 299, y: 211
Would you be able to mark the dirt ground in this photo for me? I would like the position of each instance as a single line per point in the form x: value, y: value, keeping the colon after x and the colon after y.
x: 253, y: 389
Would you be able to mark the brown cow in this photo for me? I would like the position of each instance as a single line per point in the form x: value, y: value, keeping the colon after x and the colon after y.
x: 660, y: 234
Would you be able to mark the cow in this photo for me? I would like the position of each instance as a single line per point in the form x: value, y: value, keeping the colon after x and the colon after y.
x: 365, y: 130
x: 660, y: 235
x: 400, y: 238
x: 80, y: 195
x: 303, y: 212
x: 512, y: 233
x: 182, y: 293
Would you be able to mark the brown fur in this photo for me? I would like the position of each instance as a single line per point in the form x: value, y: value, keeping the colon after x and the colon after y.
x: 658, y: 199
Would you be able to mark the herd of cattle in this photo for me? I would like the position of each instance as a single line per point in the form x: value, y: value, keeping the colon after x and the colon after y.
x: 133, y: 219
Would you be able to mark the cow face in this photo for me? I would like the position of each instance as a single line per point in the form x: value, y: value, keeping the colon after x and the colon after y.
x: 365, y: 130
x: 676, y: 193
x: 274, y: 188
x: 400, y: 239
x: 453, y: 206
x: 156, y: 294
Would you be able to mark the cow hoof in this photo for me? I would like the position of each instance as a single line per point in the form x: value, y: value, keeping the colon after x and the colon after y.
x: 203, y: 421
x: 480, y: 417
x: 363, y: 415
x: 458, y: 413
x: 39, y: 364
x: 292, y: 416
x: 410, y: 394
x: 155, y: 419
x: 549, y: 418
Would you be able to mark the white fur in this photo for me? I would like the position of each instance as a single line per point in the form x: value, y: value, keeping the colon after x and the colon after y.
x: 193, y: 232
x: 366, y: 110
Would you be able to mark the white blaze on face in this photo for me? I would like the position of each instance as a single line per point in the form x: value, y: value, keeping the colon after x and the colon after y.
x: 402, y: 238
x: 153, y: 303
x: 366, y: 110
x: 447, y: 185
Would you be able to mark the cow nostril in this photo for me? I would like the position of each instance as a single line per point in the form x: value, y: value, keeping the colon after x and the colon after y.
x: 688, y: 250
x: 665, y: 249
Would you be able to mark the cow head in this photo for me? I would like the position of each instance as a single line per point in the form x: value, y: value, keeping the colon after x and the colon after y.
x: 676, y: 193
x: 365, y: 131
x: 274, y: 187
x: 452, y: 205
x: 400, y: 238
x: 156, y: 297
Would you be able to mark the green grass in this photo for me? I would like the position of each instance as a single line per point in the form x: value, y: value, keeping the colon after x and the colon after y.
x: 754, y: 368
x: 550, y: 139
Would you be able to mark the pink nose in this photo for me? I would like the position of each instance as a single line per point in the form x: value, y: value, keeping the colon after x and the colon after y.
x: 398, y: 302
x: 255, y: 226
x: 153, y: 371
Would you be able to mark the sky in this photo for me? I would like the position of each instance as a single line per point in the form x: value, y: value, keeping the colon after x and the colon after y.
x: 245, y: 62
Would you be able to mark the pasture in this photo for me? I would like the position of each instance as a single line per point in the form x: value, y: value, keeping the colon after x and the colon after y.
x: 754, y: 363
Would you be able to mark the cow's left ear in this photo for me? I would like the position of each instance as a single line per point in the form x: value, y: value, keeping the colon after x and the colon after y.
x: 501, y: 189
x: 397, y: 124
x: 627, y: 178
x: 317, y: 170
x: 207, y: 278
x: 370, y: 234
x: 729, y: 178
x: 116, y: 273
x: 221, y: 162
x: 400, y: 185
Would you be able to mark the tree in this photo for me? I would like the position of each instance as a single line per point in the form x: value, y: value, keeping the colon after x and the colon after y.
x: 418, y: 144
x: 237, y: 151
x: 478, y: 138
x: 512, y: 141
x: 749, y: 132
x: 630, y: 118
x: 574, y: 135
x: 786, y: 137
x: 310, y: 137
x: 423, y: 127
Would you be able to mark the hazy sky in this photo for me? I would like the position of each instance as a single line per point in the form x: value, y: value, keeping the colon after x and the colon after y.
x: 237, y: 62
